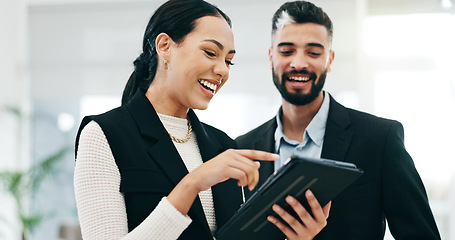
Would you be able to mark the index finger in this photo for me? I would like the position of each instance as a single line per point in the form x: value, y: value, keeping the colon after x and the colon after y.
x: 258, y: 154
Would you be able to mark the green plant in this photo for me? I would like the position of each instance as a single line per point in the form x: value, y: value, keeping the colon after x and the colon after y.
x: 23, y: 185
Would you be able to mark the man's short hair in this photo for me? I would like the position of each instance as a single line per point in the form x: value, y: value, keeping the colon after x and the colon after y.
x: 301, y: 12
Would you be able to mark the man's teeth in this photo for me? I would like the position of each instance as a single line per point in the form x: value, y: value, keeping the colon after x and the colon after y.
x: 300, y: 79
x: 208, y: 85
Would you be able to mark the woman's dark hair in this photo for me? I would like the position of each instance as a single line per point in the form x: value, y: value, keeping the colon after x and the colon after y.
x: 177, y: 19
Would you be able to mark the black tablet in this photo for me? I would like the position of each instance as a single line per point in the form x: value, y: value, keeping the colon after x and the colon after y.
x: 325, y: 178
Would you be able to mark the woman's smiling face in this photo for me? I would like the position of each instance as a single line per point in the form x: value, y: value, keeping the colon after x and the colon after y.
x: 200, y: 63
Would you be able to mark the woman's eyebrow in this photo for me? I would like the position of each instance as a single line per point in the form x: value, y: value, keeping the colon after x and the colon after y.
x: 220, y: 46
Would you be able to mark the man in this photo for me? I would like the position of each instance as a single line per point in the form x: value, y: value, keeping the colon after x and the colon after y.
x: 311, y: 123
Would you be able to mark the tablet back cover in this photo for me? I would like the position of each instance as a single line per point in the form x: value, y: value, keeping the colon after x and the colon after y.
x: 325, y: 178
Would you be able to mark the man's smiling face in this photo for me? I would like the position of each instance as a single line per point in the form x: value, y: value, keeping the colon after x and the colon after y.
x: 300, y: 59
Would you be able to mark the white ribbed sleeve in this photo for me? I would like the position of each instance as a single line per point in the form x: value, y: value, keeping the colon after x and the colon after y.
x: 101, y: 206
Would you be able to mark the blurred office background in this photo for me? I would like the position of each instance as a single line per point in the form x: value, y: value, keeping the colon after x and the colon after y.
x: 63, y: 59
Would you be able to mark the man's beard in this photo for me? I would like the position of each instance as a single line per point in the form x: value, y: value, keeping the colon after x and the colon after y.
x: 299, y: 99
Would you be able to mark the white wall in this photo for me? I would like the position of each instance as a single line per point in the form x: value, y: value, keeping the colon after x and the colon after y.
x: 14, y: 92
x: 54, y: 52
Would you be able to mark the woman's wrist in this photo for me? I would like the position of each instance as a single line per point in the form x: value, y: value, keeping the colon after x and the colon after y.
x: 183, y: 195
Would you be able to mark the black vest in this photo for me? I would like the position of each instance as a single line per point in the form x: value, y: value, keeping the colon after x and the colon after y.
x: 150, y: 166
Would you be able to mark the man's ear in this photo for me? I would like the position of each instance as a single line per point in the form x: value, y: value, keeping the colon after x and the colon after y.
x: 163, y: 45
x: 331, y: 57
x: 270, y: 57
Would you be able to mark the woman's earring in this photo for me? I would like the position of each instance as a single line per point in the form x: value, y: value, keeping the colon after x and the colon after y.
x: 165, y: 64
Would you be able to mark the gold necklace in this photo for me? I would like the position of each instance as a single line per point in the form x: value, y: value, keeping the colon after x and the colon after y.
x: 188, y: 135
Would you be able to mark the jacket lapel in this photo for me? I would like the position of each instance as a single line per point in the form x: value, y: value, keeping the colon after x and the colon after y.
x: 162, y: 150
x: 265, y: 141
x: 209, y: 148
x: 225, y: 204
x: 337, y: 136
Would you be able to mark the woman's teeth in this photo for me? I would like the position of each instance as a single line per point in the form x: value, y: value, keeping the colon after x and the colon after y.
x: 210, y: 86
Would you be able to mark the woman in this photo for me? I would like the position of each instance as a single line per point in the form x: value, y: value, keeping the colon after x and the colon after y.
x: 149, y: 169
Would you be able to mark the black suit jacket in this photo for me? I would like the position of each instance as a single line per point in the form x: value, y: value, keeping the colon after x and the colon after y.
x: 390, y: 187
x: 151, y: 167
